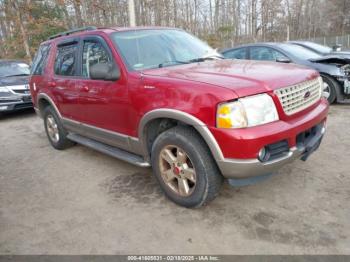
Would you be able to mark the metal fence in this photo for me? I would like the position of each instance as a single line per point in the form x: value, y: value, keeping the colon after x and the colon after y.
x: 330, y: 41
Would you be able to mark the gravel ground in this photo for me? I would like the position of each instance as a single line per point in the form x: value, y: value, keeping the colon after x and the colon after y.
x: 79, y: 201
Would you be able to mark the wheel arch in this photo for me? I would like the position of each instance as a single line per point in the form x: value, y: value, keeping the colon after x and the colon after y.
x: 43, y: 101
x: 155, y: 118
x: 338, y: 88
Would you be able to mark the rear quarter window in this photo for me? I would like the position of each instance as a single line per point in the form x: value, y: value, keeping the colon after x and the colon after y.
x: 40, y: 60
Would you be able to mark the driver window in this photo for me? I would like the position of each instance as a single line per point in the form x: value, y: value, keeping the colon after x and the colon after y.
x: 93, y: 53
x: 278, y: 55
x: 261, y: 53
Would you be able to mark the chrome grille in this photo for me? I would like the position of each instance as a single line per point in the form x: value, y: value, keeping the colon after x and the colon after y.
x: 300, y: 96
x: 20, y: 89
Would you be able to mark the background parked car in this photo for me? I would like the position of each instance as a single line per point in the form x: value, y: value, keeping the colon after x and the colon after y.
x: 335, y: 72
x: 321, y: 49
x: 14, y: 88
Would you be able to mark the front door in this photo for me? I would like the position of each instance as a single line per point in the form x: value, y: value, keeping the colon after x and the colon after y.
x: 103, y: 104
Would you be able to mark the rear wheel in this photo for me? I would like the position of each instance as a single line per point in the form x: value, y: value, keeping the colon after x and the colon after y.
x: 330, y: 88
x: 184, y: 167
x: 55, y: 131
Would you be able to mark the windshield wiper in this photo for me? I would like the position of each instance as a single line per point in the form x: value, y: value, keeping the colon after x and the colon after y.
x: 172, y: 62
x: 204, y: 58
x: 16, y: 75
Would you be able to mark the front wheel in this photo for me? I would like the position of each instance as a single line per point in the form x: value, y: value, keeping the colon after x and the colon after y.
x: 184, y: 167
x: 330, y: 88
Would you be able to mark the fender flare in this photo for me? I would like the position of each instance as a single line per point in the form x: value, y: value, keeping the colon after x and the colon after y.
x: 184, y: 117
x: 50, y: 101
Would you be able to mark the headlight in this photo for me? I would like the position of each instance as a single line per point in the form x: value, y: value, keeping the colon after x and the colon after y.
x: 4, y: 91
x: 246, y: 112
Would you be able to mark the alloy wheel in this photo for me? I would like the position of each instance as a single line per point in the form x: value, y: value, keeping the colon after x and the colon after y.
x: 52, y: 128
x: 326, y: 90
x: 177, y: 170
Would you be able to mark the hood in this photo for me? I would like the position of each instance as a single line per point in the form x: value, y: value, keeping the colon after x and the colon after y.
x: 341, y: 53
x: 337, y: 59
x: 244, y: 77
x: 14, y: 80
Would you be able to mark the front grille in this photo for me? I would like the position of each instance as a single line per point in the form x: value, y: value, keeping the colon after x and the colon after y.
x: 20, y: 91
x: 24, y: 105
x: 300, y: 96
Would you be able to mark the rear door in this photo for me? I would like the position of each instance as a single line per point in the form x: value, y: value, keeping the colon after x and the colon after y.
x: 63, y: 82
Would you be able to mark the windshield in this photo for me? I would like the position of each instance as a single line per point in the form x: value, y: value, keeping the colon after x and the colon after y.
x: 13, y: 69
x: 319, y: 48
x: 144, y: 49
x: 300, y: 52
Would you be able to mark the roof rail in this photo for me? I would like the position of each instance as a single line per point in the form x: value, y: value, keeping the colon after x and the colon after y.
x: 87, y: 28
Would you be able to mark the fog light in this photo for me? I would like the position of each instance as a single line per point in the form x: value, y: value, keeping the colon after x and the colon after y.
x: 3, y: 108
x: 323, y: 130
x: 262, y: 154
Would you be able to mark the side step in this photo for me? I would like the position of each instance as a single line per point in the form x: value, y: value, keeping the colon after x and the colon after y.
x: 109, y: 150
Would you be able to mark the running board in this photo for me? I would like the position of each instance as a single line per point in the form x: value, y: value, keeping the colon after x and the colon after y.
x: 109, y: 150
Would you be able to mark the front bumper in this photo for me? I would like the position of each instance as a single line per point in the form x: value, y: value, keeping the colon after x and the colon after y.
x: 14, y: 106
x: 242, y: 167
x: 235, y: 168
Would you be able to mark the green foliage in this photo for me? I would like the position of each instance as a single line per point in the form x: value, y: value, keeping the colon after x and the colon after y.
x: 228, y: 29
x: 41, y: 21
x: 212, y: 39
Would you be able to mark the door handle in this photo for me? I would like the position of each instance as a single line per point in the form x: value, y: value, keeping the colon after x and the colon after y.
x: 85, y: 88
x: 51, y: 84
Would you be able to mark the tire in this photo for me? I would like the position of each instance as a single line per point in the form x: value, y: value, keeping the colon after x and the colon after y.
x: 333, y: 88
x: 190, y: 155
x: 52, y: 125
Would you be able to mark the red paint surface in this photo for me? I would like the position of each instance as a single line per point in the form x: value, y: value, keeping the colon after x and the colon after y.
x: 195, y: 88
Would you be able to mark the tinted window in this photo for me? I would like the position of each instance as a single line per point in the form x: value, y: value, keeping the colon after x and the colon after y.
x: 240, y: 53
x: 12, y: 68
x: 40, y: 59
x: 265, y: 54
x: 261, y: 53
x: 93, y: 53
x: 65, y: 63
x: 278, y: 55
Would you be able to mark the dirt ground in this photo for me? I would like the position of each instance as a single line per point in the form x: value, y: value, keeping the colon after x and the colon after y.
x: 79, y: 201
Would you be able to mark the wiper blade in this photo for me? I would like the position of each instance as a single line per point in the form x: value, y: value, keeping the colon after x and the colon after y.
x: 200, y: 59
x: 16, y: 75
x: 172, y: 62
x: 204, y: 58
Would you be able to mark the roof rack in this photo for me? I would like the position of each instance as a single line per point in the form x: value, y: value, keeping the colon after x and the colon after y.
x: 87, y: 28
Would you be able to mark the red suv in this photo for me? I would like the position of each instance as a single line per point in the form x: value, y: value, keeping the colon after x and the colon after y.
x: 160, y: 97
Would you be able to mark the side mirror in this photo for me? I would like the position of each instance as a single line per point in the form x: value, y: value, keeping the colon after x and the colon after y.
x: 104, y: 71
x: 283, y: 60
x: 337, y: 48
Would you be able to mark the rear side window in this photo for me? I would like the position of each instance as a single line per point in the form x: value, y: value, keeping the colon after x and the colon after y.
x: 240, y: 53
x: 40, y: 60
x: 66, y: 60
